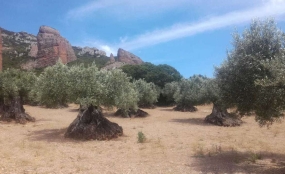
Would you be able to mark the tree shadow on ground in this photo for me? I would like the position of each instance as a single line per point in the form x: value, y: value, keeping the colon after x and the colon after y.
x: 50, y: 135
x: 241, y: 162
x: 193, y: 121
x: 73, y: 110
x: 110, y: 114
x: 167, y: 109
x: 43, y: 119
x: 57, y: 135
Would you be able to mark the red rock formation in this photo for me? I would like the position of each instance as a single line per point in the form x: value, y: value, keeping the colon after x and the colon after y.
x: 112, y: 59
x: 123, y: 58
x: 0, y: 50
x: 34, y: 50
x: 128, y: 58
x: 52, y: 47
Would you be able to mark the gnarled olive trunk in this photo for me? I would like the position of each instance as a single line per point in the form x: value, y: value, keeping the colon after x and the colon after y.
x: 14, y: 111
x: 221, y: 117
x: 91, y: 124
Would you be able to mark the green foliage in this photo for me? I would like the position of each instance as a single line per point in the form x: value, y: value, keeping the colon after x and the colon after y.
x: 147, y: 92
x: 157, y: 74
x: 141, y: 137
x: 52, y: 86
x: 16, y: 83
x: 191, y: 91
x: 252, y: 78
x: 169, y: 90
x: 188, y: 92
x: 84, y: 87
x: 108, y: 88
x: 88, y: 60
x: 59, y: 84
x: 120, y: 91
x: 10, y: 61
x: 18, y: 52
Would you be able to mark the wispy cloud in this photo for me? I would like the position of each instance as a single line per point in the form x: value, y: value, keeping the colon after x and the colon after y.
x: 101, y: 45
x: 274, y: 8
x: 136, y: 8
x: 271, y: 8
x: 124, y: 7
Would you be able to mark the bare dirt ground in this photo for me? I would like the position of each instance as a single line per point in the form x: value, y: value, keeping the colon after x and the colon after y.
x: 177, y: 142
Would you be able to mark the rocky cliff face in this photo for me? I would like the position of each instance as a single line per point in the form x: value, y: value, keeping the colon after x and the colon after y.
x: 89, y: 51
x: 112, y: 59
x: 17, y: 44
x: 128, y: 58
x: 16, y: 48
x: 52, y: 47
x: 123, y: 57
x: 24, y: 50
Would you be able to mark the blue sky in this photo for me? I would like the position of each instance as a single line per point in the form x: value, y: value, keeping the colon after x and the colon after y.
x: 191, y: 35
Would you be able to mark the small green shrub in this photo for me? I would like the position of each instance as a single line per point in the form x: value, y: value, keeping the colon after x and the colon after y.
x: 214, y: 150
x: 141, y: 137
x: 254, y: 156
x: 199, y: 150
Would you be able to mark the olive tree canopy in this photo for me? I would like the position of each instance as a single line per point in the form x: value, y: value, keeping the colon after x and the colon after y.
x: 252, y: 77
x: 15, y: 87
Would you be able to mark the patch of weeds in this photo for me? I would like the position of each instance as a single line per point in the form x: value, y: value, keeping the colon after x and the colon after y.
x: 253, y: 157
x: 198, y: 150
x: 141, y: 137
x: 215, y: 149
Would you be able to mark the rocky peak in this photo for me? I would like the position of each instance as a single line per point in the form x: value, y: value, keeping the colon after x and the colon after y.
x: 49, y: 30
x: 90, y: 50
x: 123, y: 57
x: 52, y: 47
x: 13, y: 40
x: 127, y: 57
x: 112, y: 59
x: 16, y: 47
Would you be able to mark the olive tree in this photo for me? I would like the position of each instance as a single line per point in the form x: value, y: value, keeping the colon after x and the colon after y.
x: 89, y: 86
x: 15, y: 86
x: 84, y: 88
x: 169, y: 90
x: 187, y: 93
x: 147, y: 93
x: 120, y: 91
x: 52, y: 86
x: 219, y: 115
x: 93, y: 88
x: 251, y: 79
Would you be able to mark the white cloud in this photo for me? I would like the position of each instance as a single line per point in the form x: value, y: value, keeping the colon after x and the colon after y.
x: 101, y: 45
x: 269, y: 8
x: 108, y: 49
x: 91, y: 7
x: 124, y: 6
x: 273, y: 8
x: 135, y: 8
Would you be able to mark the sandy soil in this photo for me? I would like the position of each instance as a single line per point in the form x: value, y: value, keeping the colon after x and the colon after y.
x: 177, y: 142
